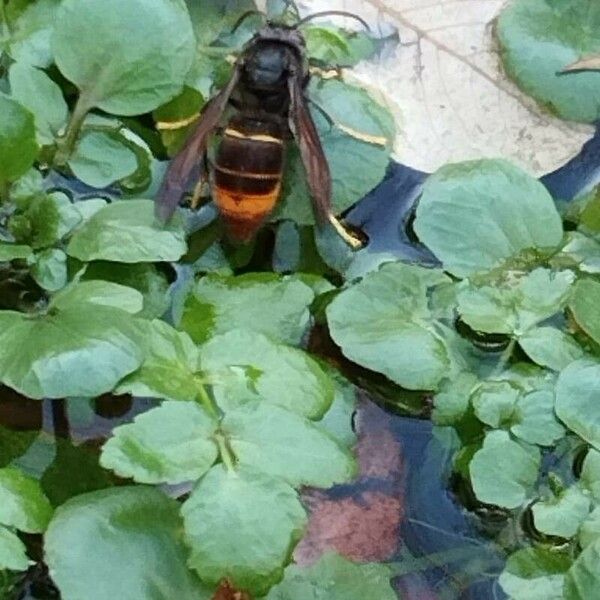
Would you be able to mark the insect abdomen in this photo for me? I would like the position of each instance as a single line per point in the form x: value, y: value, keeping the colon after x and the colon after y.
x: 248, y: 171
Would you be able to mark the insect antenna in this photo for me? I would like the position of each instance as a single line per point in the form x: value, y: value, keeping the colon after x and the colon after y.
x: 339, y: 13
x: 248, y: 13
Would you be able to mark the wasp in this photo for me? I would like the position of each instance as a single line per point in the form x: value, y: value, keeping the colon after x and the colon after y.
x: 267, y: 91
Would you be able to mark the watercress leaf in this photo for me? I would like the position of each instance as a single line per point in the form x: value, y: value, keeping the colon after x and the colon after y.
x: 582, y: 580
x: 169, y: 444
x: 577, y: 392
x: 356, y: 166
x: 452, y: 400
x: 10, y: 252
x: 101, y: 293
x: 494, y: 402
x: 517, y: 305
x: 503, y: 472
x: 589, y: 531
x: 335, y: 578
x: 534, y: 418
x: 280, y: 374
x: 126, y: 232
x: 285, y: 445
x: 539, y: 39
x: 585, y: 307
x: 550, y: 347
x: 23, y: 504
x: 338, y: 420
x: 584, y: 250
x: 332, y: 45
x: 261, y: 302
x: 18, y: 148
x: 562, y: 515
x: 151, y: 282
x: 382, y: 323
x: 50, y: 269
x: 29, y: 41
x: 170, y: 365
x: 130, y: 63
x: 100, y: 158
x: 590, y: 473
x: 534, y: 574
x: 82, y: 350
x: 123, y: 542
x: 42, y: 97
x: 242, y: 525
x: 13, y: 554
x: 39, y: 223
x: 505, y: 211
x: 28, y: 185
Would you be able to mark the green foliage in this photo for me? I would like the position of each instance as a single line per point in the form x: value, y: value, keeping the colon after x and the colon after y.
x: 540, y: 38
x: 496, y: 211
x: 122, y: 542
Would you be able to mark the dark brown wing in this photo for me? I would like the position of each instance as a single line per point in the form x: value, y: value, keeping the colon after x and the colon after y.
x: 311, y: 150
x: 182, y: 167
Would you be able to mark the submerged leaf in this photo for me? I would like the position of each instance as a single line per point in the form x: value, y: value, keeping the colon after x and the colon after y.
x: 335, y: 578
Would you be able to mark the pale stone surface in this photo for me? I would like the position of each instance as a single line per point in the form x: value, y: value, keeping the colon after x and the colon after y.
x: 446, y: 88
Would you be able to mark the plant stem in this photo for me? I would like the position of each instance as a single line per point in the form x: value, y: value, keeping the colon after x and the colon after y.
x: 206, y: 400
x: 226, y: 454
x: 504, y: 358
x: 66, y: 144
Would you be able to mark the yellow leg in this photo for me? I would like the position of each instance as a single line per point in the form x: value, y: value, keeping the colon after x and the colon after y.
x: 197, y: 195
x: 351, y: 240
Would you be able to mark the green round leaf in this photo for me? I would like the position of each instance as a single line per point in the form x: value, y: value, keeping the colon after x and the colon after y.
x: 562, y: 516
x: 50, y: 269
x: 276, y: 373
x: 79, y: 351
x: 23, y: 504
x: 120, y: 543
x: 383, y: 323
x: 585, y: 306
x: 550, y: 347
x: 494, y: 402
x: 534, y: 574
x: 577, y: 391
x: 13, y: 554
x: 170, y: 365
x: 335, y: 46
x: 536, y: 422
x: 126, y: 231
x: 40, y: 95
x: 101, y: 293
x: 18, y: 148
x: 493, y: 208
x: 168, y: 444
x: 539, y: 39
x: 504, y: 472
x: 260, y: 302
x: 101, y: 158
x: 287, y: 446
x: 335, y: 578
x: 242, y: 525
x: 582, y: 580
x: 590, y: 473
x: 126, y: 58
x: 590, y: 529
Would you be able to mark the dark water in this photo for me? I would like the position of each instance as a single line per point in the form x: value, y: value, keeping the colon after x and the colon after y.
x: 443, y: 551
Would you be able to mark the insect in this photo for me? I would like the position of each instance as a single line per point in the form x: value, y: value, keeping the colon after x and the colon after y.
x: 267, y: 90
